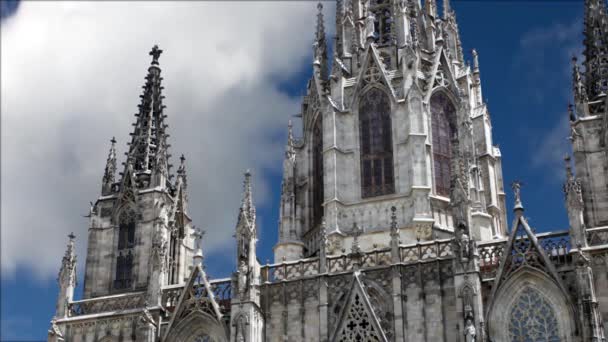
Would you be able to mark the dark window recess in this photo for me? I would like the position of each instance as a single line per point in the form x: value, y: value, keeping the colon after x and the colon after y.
x: 126, y: 242
x: 377, y: 177
x: 443, y: 115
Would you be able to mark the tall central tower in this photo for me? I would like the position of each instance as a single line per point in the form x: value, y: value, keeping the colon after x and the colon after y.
x: 394, y: 118
x: 140, y: 233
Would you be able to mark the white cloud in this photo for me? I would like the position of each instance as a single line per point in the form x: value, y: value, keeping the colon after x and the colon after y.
x: 71, y: 76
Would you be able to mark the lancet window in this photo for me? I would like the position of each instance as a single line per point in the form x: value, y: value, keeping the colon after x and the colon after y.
x: 384, y: 21
x: 317, y: 170
x: 376, y: 144
x: 126, y: 242
x: 443, y: 125
x: 532, y: 318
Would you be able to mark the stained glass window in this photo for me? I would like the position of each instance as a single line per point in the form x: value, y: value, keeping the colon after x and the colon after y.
x: 532, y: 319
x: 317, y: 170
x: 443, y: 122
x: 376, y: 144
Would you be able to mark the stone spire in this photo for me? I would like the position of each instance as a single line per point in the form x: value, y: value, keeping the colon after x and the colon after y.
x: 596, y: 48
x: 247, y: 210
x: 320, y: 44
x: 149, y: 131
x: 290, y: 152
x: 109, y: 174
x: 66, y: 279
x: 447, y: 9
x: 181, y: 170
x: 578, y: 85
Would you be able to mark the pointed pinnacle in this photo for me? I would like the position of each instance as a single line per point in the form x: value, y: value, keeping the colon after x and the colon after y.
x: 113, y: 141
x: 71, y: 236
x: 320, y: 34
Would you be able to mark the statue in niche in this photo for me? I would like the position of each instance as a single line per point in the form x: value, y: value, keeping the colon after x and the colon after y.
x: 463, y: 241
x: 242, y: 277
x: 470, y: 332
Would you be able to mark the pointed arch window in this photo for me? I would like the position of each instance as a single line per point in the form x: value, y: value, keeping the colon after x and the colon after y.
x: 376, y: 144
x: 443, y: 124
x: 317, y: 170
x: 126, y: 242
x: 532, y: 318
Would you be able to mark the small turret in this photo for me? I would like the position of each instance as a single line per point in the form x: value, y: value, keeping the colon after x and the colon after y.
x: 109, y: 174
x: 66, y: 279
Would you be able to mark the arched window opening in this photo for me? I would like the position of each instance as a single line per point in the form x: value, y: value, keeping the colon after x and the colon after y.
x: 317, y: 170
x: 442, y: 121
x: 376, y: 144
x: 126, y: 243
x: 532, y: 318
x: 383, y: 23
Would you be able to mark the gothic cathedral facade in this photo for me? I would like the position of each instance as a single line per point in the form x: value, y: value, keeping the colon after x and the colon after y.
x: 392, y: 213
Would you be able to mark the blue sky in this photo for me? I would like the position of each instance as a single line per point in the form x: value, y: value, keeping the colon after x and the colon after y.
x: 524, y: 51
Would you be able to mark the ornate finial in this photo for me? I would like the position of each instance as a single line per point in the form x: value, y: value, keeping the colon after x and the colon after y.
x: 247, y: 207
x: 71, y: 236
x: 320, y: 34
x: 155, y: 53
x: 516, y: 186
x: 113, y: 141
x: 446, y: 8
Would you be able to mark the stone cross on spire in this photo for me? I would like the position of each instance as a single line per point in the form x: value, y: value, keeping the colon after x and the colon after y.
x: 155, y: 53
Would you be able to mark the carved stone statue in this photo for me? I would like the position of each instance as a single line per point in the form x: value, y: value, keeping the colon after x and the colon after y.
x: 470, y: 332
x: 243, y: 273
x: 463, y: 241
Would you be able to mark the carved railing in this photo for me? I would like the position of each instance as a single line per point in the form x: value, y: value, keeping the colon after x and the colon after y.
x: 555, y: 244
x: 290, y: 270
x: 106, y: 304
x: 426, y: 251
x: 420, y: 252
x: 597, y: 236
